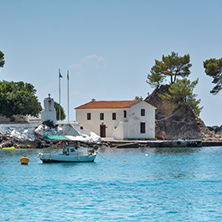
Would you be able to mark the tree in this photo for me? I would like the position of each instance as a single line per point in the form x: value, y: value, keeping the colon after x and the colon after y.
x: 156, y: 77
x: 49, y: 123
x: 2, y: 61
x: 171, y: 65
x: 213, y: 68
x: 63, y: 116
x: 18, y: 98
x: 138, y: 98
x: 181, y: 92
x: 176, y: 66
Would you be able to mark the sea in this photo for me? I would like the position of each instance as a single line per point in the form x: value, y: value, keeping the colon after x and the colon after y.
x: 141, y: 184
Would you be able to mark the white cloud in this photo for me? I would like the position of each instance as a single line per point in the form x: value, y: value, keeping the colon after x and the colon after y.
x: 90, y: 61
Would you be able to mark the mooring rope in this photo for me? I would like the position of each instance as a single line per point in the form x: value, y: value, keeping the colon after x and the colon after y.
x: 104, y: 158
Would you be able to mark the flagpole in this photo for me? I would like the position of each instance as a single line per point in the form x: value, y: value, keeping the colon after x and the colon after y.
x: 59, y: 97
x: 68, y: 92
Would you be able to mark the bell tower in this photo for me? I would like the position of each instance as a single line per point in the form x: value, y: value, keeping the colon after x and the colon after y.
x: 49, y: 112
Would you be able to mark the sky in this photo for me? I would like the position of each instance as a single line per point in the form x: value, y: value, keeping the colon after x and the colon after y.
x: 108, y: 46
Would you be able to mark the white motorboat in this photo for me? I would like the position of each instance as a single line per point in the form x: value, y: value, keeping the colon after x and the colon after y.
x: 70, y: 153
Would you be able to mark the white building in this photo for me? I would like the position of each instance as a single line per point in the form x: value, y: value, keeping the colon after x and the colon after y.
x: 49, y: 112
x: 133, y: 119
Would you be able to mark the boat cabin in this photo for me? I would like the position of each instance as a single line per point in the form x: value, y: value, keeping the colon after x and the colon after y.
x: 70, y: 150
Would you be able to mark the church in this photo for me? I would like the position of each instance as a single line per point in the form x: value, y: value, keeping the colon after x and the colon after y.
x: 131, y: 119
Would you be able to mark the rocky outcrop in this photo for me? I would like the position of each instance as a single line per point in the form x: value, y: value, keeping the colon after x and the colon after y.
x: 181, y: 122
x: 164, y: 108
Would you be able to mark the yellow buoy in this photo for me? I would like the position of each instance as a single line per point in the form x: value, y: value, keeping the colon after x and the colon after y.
x: 24, y: 160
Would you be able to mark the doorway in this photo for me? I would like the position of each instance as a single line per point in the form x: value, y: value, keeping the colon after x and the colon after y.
x: 102, y: 130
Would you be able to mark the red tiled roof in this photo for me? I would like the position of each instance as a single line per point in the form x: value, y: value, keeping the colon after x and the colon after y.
x: 108, y: 104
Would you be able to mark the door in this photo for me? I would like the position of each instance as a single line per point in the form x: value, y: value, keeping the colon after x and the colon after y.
x: 102, y: 130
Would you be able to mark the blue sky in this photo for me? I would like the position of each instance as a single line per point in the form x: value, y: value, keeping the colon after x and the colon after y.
x: 108, y: 47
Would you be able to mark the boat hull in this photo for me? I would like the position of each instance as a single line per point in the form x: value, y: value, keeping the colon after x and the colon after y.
x: 62, y: 158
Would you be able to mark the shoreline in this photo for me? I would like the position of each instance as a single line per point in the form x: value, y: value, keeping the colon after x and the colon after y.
x: 152, y: 143
x: 107, y: 142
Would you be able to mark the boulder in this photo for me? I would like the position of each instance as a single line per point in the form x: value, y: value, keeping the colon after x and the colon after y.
x: 28, y: 144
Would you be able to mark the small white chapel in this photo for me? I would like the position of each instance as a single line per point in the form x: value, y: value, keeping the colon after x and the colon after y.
x: 134, y: 119
x: 49, y: 112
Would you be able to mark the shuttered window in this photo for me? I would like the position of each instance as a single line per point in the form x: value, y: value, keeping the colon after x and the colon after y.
x: 142, y: 127
x: 88, y: 116
x: 124, y: 113
x: 101, y: 116
x: 142, y: 112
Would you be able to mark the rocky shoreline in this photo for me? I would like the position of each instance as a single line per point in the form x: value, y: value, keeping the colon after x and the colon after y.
x: 200, y: 136
x: 211, y: 136
x: 29, y: 135
x: 38, y: 143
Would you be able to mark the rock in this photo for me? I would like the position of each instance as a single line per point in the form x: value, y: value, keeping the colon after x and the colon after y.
x: 215, y: 129
x: 180, y: 123
x: 6, y: 143
x: 29, y: 135
x: 164, y: 107
x: 28, y: 144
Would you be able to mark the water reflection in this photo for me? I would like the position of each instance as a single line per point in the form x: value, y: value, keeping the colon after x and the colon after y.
x: 179, y: 150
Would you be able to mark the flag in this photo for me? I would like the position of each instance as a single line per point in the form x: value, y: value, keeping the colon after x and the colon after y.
x: 68, y: 76
x: 60, y: 75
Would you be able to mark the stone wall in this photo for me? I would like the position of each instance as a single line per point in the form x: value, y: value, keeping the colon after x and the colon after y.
x: 18, y: 119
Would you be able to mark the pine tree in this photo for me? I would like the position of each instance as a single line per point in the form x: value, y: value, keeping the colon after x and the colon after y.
x: 213, y: 68
x: 156, y: 77
x: 172, y: 66
x: 181, y: 93
x: 2, y: 61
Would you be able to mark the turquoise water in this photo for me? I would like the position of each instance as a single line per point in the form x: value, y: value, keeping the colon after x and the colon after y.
x: 148, y: 184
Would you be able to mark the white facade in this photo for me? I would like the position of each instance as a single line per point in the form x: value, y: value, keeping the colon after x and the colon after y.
x: 134, y: 122
x: 49, y: 112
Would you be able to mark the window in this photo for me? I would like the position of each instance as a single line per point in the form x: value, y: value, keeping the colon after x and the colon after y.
x: 142, y: 112
x: 50, y: 105
x: 88, y: 116
x: 142, y: 127
x: 124, y: 113
x: 114, y: 116
x: 101, y: 116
